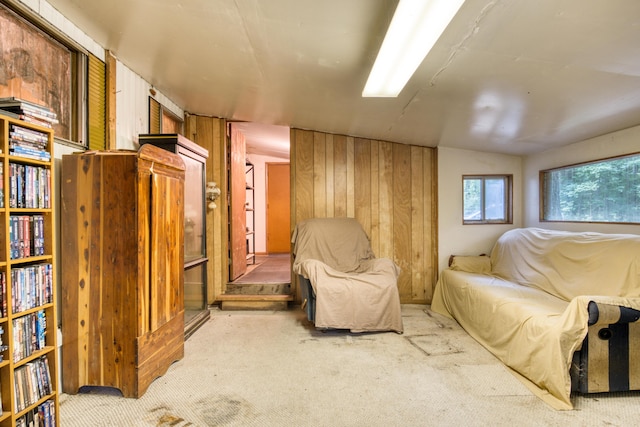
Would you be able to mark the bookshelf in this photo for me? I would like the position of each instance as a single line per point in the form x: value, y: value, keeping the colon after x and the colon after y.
x: 28, y: 369
x: 250, y: 224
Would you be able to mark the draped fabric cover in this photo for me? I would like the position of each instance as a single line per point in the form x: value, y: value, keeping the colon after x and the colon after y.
x: 354, y: 290
x: 528, y: 302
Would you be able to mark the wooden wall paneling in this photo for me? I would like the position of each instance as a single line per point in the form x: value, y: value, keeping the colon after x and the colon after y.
x: 375, y: 199
x: 419, y: 239
x: 292, y: 181
x: 301, y: 155
x: 431, y: 220
x: 220, y: 230
x: 319, y: 175
x: 330, y: 175
x: 402, y: 217
x: 351, y: 212
x: 340, y: 175
x: 210, y: 133
x: 304, y: 175
x: 385, y: 199
x: 362, y: 183
x: 388, y: 187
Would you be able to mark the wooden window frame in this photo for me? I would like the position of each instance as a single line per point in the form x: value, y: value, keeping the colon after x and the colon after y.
x: 162, y: 120
x: 543, y: 217
x: 81, y: 99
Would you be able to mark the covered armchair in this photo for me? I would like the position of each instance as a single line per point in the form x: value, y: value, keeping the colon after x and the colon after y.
x: 342, y: 284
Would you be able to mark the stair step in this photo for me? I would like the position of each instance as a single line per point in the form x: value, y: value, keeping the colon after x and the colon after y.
x: 258, y: 289
x: 254, y: 302
x: 255, y: 297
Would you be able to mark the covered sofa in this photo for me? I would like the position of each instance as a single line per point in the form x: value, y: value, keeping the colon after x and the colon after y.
x: 559, y: 308
x: 342, y: 284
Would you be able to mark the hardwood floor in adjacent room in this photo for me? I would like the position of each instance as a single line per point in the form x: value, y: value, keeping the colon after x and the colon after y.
x: 268, y: 269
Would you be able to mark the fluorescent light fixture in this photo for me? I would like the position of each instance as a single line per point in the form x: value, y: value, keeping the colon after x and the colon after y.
x: 415, y: 27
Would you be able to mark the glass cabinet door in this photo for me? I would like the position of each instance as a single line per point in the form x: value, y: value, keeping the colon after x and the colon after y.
x: 194, y: 226
x: 195, y: 250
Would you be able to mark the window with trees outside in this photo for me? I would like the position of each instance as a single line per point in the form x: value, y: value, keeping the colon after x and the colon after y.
x: 487, y: 199
x: 601, y: 191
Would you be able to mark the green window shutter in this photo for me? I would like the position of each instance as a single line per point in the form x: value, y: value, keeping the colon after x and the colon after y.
x: 96, y: 104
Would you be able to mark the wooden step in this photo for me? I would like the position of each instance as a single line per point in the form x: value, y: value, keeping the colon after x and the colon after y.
x: 258, y: 289
x: 255, y: 297
x: 254, y: 302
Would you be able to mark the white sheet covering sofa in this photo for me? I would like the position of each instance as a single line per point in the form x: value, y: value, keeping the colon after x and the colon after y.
x: 559, y: 308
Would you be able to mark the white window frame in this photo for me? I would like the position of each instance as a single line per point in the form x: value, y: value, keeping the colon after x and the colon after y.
x: 507, y: 217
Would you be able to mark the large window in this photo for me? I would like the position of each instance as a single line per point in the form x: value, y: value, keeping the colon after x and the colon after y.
x: 34, y: 67
x: 601, y: 191
x: 487, y: 199
x: 41, y: 65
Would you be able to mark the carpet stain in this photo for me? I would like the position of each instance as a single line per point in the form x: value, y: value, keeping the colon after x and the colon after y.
x: 433, y: 345
x: 168, y: 420
x: 223, y: 410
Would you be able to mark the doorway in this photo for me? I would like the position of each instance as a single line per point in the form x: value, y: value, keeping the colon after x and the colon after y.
x: 267, y: 150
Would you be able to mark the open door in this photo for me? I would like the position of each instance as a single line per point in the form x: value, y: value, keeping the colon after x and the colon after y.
x: 237, y: 208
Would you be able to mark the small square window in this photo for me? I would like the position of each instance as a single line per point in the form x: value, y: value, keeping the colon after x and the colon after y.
x: 487, y: 199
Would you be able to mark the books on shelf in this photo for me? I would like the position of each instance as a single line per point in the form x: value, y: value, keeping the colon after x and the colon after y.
x: 27, y: 349
x: 1, y: 185
x: 25, y: 142
x: 28, y: 143
x: 4, y: 305
x: 3, y: 347
x: 32, y: 383
x: 29, y: 186
x: 26, y: 236
x: 29, y: 112
x: 31, y: 286
x: 29, y: 333
x: 43, y: 415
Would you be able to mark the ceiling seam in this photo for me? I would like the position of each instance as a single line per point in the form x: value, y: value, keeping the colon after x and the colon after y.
x: 474, y: 29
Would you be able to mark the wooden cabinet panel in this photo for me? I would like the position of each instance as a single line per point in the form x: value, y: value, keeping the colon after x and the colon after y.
x: 122, y: 234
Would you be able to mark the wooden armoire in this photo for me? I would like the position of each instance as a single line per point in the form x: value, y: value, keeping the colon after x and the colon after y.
x: 122, y: 253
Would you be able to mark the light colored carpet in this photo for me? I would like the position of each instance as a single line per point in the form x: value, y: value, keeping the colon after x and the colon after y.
x: 246, y: 368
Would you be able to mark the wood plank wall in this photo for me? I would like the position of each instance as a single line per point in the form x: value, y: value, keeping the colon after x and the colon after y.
x: 210, y: 133
x: 389, y: 188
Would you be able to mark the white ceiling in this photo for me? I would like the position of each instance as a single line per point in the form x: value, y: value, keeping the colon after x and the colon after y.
x: 510, y: 76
